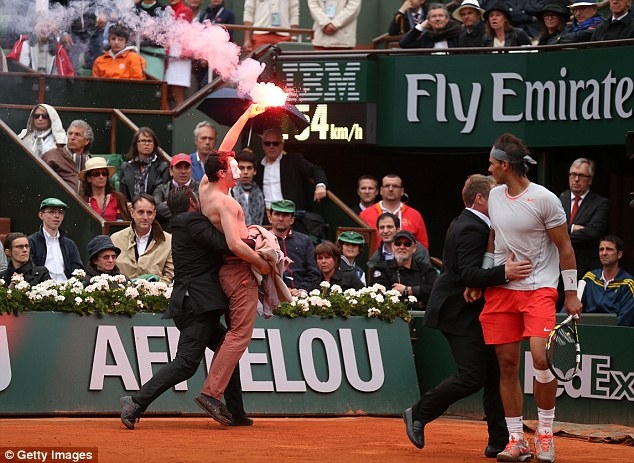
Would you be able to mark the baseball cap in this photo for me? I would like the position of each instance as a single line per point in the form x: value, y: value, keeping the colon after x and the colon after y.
x: 351, y: 237
x: 53, y: 202
x: 284, y: 205
x: 405, y: 234
x: 180, y: 157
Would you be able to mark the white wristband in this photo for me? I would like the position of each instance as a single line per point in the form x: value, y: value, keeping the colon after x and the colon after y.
x: 569, y: 278
x: 487, y: 261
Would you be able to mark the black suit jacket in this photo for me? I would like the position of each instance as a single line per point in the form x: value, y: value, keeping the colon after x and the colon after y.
x: 593, y: 215
x: 465, y: 245
x: 295, y: 171
x: 196, y: 248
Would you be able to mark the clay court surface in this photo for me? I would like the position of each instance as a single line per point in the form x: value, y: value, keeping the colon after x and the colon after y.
x: 273, y: 440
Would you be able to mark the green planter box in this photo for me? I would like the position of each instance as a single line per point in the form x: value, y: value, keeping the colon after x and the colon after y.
x: 63, y: 363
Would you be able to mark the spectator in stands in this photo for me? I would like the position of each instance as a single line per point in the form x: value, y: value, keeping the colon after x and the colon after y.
x: 403, y: 273
x: 145, y: 247
x: 144, y: 170
x: 3, y: 61
x: 610, y: 289
x: 619, y: 26
x: 3, y: 259
x: 350, y: 245
x: 44, y: 130
x: 85, y: 33
x: 588, y: 220
x: 195, y: 6
x: 99, y: 194
x: 296, y: 246
x: 368, y: 190
x: 181, y: 173
x: 205, y: 135
x: 151, y: 7
x: 283, y: 14
x: 586, y: 18
x: 247, y: 192
x: 524, y: 15
x: 436, y: 31
x: 387, y: 225
x: 103, y: 258
x: 50, y: 245
x: 178, y: 69
x: 42, y: 50
x: 335, y: 26
x: 328, y: 258
x: 392, y: 191
x: 121, y: 61
x: 215, y: 13
x: 16, y: 250
x: 554, y: 18
x: 286, y: 175
x: 69, y: 160
x: 408, y: 15
x: 499, y: 32
x: 469, y: 14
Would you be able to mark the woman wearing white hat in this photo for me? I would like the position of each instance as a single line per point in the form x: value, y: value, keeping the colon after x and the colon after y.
x: 98, y: 193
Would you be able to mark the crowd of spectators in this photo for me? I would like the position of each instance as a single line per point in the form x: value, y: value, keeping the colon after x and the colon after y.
x: 491, y: 23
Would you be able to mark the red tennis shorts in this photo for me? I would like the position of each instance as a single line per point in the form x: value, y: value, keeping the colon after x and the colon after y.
x: 510, y: 315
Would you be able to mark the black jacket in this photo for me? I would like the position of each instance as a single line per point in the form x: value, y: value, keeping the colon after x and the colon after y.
x: 196, y: 248
x: 472, y: 38
x: 159, y: 174
x: 70, y: 253
x: 347, y: 279
x: 33, y: 274
x: 514, y: 38
x: 465, y: 244
x: 295, y: 171
x: 615, y: 30
x: 421, y: 279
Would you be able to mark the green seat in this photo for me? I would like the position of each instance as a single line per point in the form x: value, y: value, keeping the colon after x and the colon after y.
x: 115, y: 160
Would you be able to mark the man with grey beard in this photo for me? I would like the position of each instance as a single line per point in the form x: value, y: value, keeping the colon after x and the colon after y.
x: 403, y: 273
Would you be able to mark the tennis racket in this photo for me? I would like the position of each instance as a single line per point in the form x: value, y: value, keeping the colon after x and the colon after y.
x: 563, y: 351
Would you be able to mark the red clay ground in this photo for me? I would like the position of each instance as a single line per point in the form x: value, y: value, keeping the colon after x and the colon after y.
x: 275, y: 440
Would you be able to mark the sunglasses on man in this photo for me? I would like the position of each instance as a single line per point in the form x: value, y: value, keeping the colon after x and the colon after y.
x: 406, y: 243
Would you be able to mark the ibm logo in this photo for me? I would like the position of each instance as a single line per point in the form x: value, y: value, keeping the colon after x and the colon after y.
x: 323, y: 81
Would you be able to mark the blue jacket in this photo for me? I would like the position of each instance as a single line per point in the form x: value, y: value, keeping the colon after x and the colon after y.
x: 303, y: 271
x: 70, y: 253
x: 618, y: 298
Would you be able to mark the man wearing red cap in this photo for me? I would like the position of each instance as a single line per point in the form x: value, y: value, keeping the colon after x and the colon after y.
x: 181, y: 176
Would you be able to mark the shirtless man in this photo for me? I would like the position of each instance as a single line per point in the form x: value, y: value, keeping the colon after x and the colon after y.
x: 236, y: 277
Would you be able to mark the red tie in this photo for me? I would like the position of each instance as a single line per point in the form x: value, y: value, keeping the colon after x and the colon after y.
x: 575, y: 208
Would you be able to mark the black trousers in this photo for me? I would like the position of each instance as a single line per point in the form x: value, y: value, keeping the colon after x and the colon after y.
x: 197, y: 331
x: 477, y: 368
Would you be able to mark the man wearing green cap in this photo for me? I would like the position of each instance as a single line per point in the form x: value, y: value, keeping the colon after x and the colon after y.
x: 295, y: 245
x: 50, y: 246
x: 351, y: 244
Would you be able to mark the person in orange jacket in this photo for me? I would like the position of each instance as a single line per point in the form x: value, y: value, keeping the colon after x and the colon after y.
x: 121, y: 61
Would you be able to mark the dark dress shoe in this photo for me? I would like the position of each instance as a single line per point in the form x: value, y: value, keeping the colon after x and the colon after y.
x: 414, y: 429
x: 243, y: 420
x: 215, y: 408
x: 492, y: 451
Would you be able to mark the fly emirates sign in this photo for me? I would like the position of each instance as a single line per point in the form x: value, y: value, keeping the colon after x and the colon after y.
x: 514, y: 98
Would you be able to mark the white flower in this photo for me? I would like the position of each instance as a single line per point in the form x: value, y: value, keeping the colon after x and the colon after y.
x: 336, y: 289
x: 324, y: 284
x: 139, y: 302
x: 395, y: 299
x: 60, y: 298
x: 379, y: 298
x: 412, y: 299
x: 374, y: 312
x: 22, y: 285
x: 78, y: 301
x: 315, y: 292
x: 79, y: 273
x: 131, y: 292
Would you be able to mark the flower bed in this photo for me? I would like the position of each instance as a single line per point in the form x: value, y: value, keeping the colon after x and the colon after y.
x: 372, y: 301
x: 104, y: 294
x: 116, y: 295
